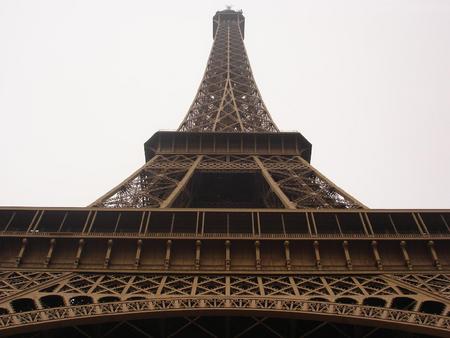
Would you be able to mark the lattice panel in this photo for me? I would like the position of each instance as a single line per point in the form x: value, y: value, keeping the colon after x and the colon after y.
x: 438, y: 284
x: 125, y: 286
x: 94, y: 294
x: 12, y: 282
x: 211, y: 285
x: 228, y: 98
x: 244, y: 285
x: 304, y: 186
x: 151, y: 185
x: 230, y: 162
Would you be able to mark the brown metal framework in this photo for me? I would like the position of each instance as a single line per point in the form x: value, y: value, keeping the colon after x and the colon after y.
x: 66, y: 268
x: 228, y: 129
x: 226, y: 231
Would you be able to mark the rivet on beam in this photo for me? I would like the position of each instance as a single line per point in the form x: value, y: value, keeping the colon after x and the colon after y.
x: 434, y: 255
x: 376, y: 255
x: 198, y: 245
x: 22, y: 251
x: 227, y: 255
x: 108, y: 253
x: 167, y: 259
x: 258, y: 255
x: 405, y: 255
x: 79, y: 252
x: 348, y: 260
x: 317, y: 254
x: 287, y: 253
x: 50, y: 252
x: 137, y: 259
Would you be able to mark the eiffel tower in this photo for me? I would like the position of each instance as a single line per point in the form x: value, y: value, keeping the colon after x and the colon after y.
x: 226, y: 231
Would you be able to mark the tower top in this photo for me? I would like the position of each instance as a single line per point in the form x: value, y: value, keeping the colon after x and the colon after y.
x: 228, y: 14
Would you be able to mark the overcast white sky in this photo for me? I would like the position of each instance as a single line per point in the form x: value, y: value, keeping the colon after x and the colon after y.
x: 83, y: 84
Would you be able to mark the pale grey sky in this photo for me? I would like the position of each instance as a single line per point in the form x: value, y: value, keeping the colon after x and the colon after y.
x: 83, y: 84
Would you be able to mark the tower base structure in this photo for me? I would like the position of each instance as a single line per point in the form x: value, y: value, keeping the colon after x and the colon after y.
x: 99, y: 272
x: 226, y: 231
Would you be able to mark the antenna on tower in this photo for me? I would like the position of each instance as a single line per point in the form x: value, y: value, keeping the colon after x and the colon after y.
x: 228, y: 7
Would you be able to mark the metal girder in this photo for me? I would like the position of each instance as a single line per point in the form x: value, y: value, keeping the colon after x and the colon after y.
x: 293, y: 180
x: 381, y: 301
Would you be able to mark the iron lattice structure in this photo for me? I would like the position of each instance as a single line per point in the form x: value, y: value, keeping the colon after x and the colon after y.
x: 228, y: 99
x: 226, y: 231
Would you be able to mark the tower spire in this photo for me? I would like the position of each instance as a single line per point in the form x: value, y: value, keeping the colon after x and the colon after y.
x: 228, y: 99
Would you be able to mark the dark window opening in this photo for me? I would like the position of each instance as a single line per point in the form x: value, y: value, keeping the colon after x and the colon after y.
x: 80, y: 300
x: 271, y: 223
x: 432, y: 307
x: 52, y: 301
x: 228, y: 190
x: 74, y: 221
x: 326, y: 223
x: 216, y: 222
x: 434, y: 223
x: 185, y: 222
x: 296, y: 223
x: 350, y: 223
x: 5, y: 218
x: 374, y: 301
x: 130, y: 221
x: 381, y: 224
x: 240, y: 222
x: 105, y: 221
x: 446, y: 217
x: 3, y: 311
x: 160, y: 221
x: 23, y: 305
x: 21, y: 220
x: 403, y: 303
x: 51, y: 221
x: 404, y: 223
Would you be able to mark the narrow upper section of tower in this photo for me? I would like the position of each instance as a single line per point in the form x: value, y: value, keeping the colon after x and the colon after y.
x: 228, y: 15
x: 228, y: 99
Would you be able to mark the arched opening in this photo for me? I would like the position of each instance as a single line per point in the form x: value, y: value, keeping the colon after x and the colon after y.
x: 109, y: 299
x: 80, y: 300
x: 23, y: 305
x: 3, y: 311
x: 403, y: 303
x: 346, y: 300
x: 374, y: 301
x: 432, y: 307
x: 52, y: 301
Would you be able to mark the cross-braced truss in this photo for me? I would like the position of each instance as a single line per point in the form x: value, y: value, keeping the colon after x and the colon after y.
x: 152, y: 184
x: 304, y: 186
x: 291, y: 182
x: 391, y: 299
x: 228, y: 98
